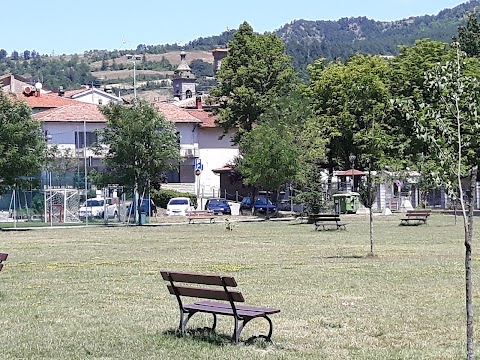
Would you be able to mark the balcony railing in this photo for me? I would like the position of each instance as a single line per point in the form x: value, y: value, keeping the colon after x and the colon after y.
x: 189, y: 152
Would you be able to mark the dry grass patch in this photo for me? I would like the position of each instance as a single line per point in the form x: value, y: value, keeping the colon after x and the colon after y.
x: 96, y: 292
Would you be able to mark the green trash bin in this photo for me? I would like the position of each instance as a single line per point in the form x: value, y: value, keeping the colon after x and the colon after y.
x: 346, y: 202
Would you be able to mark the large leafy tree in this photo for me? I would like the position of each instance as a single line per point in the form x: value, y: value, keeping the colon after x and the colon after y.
x: 276, y: 150
x: 140, y: 144
x: 255, y: 71
x: 269, y: 156
x: 22, y: 143
x: 347, y: 99
x: 351, y: 102
x: 469, y: 36
x: 406, y: 81
x: 448, y: 125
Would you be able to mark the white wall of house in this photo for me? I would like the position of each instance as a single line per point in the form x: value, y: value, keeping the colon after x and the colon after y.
x: 97, y: 97
x: 188, y: 134
x: 63, y: 133
x: 195, y: 142
x: 214, y: 154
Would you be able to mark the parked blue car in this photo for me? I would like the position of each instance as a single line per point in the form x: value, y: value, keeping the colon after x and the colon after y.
x: 261, y: 205
x: 218, y: 206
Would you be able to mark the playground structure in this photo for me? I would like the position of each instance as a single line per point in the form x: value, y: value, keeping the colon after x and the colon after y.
x: 61, y: 205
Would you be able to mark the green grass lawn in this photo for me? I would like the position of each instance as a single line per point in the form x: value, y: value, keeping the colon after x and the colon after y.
x: 96, y: 292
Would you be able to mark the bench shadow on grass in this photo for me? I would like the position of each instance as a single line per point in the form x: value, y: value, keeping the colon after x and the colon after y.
x: 202, y: 334
x: 206, y: 335
x: 343, y: 257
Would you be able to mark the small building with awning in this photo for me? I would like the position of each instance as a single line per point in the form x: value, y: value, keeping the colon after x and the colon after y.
x: 349, y: 179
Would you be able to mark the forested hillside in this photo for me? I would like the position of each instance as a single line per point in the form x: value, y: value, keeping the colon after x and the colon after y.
x: 305, y: 42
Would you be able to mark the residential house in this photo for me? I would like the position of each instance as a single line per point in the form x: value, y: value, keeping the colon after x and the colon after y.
x: 71, y: 128
x: 92, y: 95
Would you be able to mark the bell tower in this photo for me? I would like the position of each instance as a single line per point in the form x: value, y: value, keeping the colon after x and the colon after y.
x: 184, y: 81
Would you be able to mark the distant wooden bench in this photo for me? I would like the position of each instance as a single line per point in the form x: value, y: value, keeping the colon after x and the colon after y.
x: 219, y: 289
x: 3, y: 257
x: 415, y: 217
x: 326, y: 220
x: 193, y: 215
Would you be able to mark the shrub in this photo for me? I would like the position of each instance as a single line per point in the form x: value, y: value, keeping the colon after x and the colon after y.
x: 162, y: 197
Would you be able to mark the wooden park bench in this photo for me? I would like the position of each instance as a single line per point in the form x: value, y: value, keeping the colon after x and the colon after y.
x: 3, y: 257
x: 415, y: 217
x: 193, y: 215
x: 218, y: 289
x: 326, y: 220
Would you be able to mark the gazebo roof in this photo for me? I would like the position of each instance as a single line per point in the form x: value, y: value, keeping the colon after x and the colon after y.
x: 351, y: 172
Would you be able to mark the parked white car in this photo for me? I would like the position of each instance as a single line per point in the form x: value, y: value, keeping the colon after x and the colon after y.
x: 95, y: 208
x: 179, y: 206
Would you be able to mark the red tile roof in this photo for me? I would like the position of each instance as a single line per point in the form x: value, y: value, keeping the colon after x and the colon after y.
x: 46, y: 100
x: 206, y: 117
x: 71, y: 93
x: 176, y: 114
x: 77, y: 112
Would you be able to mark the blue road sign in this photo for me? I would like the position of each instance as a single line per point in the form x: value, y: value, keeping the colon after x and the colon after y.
x: 198, y: 164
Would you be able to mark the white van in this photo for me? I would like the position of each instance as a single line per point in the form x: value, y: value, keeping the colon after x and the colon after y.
x: 179, y: 206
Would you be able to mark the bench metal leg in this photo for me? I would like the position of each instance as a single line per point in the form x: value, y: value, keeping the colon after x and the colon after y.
x: 239, y: 328
x: 183, y: 321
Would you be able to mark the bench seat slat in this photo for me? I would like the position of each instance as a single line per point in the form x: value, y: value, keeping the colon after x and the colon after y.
x: 225, y: 309
x: 3, y: 256
x: 263, y: 310
x: 204, y: 279
x: 204, y: 293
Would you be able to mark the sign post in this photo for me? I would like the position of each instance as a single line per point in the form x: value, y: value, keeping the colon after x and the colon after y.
x: 198, y: 167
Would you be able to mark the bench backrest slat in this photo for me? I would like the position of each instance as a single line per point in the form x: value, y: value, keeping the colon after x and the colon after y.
x: 203, y: 279
x: 203, y: 293
x: 3, y: 256
x: 417, y: 213
x: 324, y: 216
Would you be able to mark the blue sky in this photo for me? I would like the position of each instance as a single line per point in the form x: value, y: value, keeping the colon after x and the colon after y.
x: 66, y: 27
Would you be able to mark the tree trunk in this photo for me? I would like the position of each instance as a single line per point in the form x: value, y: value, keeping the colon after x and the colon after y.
x: 370, y: 219
x: 468, y: 264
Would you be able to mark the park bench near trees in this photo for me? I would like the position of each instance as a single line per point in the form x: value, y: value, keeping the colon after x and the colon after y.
x: 415, y: 217
x: 193, y: 215
x: 325, y: 221
x: 218, y: 289
x: 3, y: 257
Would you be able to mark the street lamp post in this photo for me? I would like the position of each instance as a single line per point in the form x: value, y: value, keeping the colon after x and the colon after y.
x: 133, y: 59
x: 352, y: 167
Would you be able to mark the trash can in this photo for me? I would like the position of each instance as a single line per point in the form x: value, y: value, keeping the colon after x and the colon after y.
x: 235, y: 208
x: 143, y: 217
x: 346, y: 202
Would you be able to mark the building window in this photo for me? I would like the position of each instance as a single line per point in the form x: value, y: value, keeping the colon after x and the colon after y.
x: 79, y: 139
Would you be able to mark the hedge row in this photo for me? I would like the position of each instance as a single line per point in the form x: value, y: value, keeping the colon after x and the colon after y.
x: 162, y: 197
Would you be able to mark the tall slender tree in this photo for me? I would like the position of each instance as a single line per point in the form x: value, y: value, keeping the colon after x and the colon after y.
x: 448, y: 125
